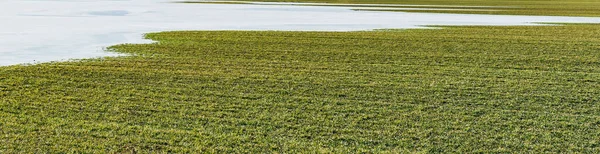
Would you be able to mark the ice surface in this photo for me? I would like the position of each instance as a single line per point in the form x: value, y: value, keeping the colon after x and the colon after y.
x: 50, y: 30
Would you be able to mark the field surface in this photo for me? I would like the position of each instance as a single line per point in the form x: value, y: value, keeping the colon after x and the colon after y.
x: 506, y: 7
x: 457, y: 89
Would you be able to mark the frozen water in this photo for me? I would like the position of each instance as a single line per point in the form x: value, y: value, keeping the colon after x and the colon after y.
x: 50, y: 30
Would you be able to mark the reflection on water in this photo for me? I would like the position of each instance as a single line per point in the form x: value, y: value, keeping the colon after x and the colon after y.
x: 48, y: 30
x: 110, y: 13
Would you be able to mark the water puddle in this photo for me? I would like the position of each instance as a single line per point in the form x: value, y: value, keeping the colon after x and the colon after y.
x: 51, y: 30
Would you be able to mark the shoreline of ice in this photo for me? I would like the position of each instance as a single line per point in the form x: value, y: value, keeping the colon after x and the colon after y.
x: 55, y: 30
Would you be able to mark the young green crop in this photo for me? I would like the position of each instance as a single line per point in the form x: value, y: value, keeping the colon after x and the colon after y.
x: 458, y: 89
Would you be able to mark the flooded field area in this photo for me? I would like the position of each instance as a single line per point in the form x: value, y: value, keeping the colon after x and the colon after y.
x: 35, y: 31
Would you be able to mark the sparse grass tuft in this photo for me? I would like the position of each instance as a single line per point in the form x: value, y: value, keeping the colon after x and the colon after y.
x: 507, y: 7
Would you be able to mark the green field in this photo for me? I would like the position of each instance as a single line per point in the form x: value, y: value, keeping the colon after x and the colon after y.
x: 457, y: 89
x: 508, y: 7
x: 507, y: 89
